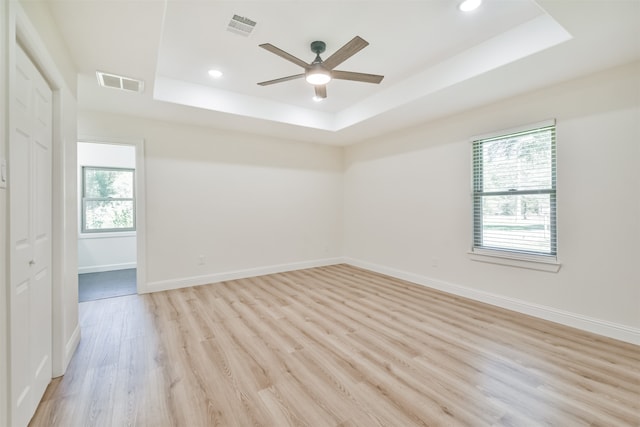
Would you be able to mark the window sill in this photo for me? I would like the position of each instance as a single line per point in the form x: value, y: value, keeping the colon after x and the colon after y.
x: 531, y: 262
x: 106, y: 235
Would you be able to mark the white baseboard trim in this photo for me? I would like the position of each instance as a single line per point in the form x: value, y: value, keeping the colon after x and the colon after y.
x: 585, y: 323
x: 71, y: 346
x: 69, y: 350
x: 106, y: 267
x: 165, y: 285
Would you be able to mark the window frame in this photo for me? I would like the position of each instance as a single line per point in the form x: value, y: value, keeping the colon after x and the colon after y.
x: 83, y: 222
x: 505, y: 256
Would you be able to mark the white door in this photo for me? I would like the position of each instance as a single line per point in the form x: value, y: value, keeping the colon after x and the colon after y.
x: 30, y: 239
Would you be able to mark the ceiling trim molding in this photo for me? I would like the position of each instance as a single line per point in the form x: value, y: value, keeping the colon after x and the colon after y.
x: 524, y: 40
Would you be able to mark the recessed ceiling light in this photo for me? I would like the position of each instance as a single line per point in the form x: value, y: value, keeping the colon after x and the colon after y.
x: 216, y: 74
x: 469, y: 5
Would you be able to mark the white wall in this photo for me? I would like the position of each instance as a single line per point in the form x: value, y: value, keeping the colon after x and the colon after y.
x: 251, y: 204
x: 407, y: 204
x: 105, y: 251
x: 40, y: 16
x: 247, y: 204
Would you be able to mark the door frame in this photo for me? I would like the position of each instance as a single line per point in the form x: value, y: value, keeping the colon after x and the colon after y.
x: 140, y: 208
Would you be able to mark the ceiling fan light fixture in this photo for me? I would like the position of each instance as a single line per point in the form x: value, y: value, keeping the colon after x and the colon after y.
x: 319, y: 72
x: 317, y: 79
x: 317, y: 98
x: 318, y: 75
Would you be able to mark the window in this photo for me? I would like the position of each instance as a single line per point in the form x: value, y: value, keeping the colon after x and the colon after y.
x: 514, y: 193
x: 108, y: 202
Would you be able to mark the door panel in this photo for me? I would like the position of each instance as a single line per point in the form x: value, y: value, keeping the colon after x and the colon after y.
x: 30, y: 239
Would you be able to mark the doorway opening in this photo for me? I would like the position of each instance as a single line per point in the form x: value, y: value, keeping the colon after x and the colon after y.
x: 106, y: 284
x: 107, y: 242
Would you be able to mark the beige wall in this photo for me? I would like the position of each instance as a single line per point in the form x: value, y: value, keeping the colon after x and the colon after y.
x: 407, y: 201
x: 242, y: 202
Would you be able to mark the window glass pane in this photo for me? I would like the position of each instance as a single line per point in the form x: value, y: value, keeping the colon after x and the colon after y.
x: 519, y: 222
x: 101, y: 183
x: 521, y: 162
x: 514, y: 207
x: 111, y: 214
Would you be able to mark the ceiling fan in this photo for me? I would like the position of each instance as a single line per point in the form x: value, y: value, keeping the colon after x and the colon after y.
x: 320, y: 72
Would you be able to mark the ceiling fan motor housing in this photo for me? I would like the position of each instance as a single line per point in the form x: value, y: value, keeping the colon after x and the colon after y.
x: 318, y: 47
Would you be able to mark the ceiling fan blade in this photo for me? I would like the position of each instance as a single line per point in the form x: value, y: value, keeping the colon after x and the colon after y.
x: 281, y: 79
x: 321, y: 91
x: 345, y: 52
x: 281, y: 53
x: 356, y: 77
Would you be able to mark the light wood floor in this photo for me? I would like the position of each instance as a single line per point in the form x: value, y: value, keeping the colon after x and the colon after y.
x: 335, y: 346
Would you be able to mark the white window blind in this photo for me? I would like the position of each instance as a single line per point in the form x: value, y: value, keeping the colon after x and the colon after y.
x: 514, y: 192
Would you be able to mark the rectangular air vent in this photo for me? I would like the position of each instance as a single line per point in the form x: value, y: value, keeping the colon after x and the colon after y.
x: 119, y: 82
x: 241, y: 25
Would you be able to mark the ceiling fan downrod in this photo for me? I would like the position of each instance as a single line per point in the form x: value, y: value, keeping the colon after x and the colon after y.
x: 318, y: 47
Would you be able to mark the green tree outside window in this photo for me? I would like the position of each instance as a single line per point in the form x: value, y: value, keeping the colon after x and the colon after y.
x: 108, y: 200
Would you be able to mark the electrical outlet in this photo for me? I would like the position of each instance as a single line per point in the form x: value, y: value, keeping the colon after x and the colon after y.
x: 434, y: 262
x: 201, y: 260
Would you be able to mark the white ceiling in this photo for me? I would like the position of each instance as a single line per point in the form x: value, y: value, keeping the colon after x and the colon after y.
x: 436, y: 59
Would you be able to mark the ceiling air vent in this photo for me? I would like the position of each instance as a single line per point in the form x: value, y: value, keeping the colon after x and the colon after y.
x: 119, y: 82
x: 241, y: 25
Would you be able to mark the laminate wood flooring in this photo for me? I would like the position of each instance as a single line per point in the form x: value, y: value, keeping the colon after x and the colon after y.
x: 335, y: 346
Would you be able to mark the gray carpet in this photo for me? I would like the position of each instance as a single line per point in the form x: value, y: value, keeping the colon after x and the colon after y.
x: 108, y: 284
